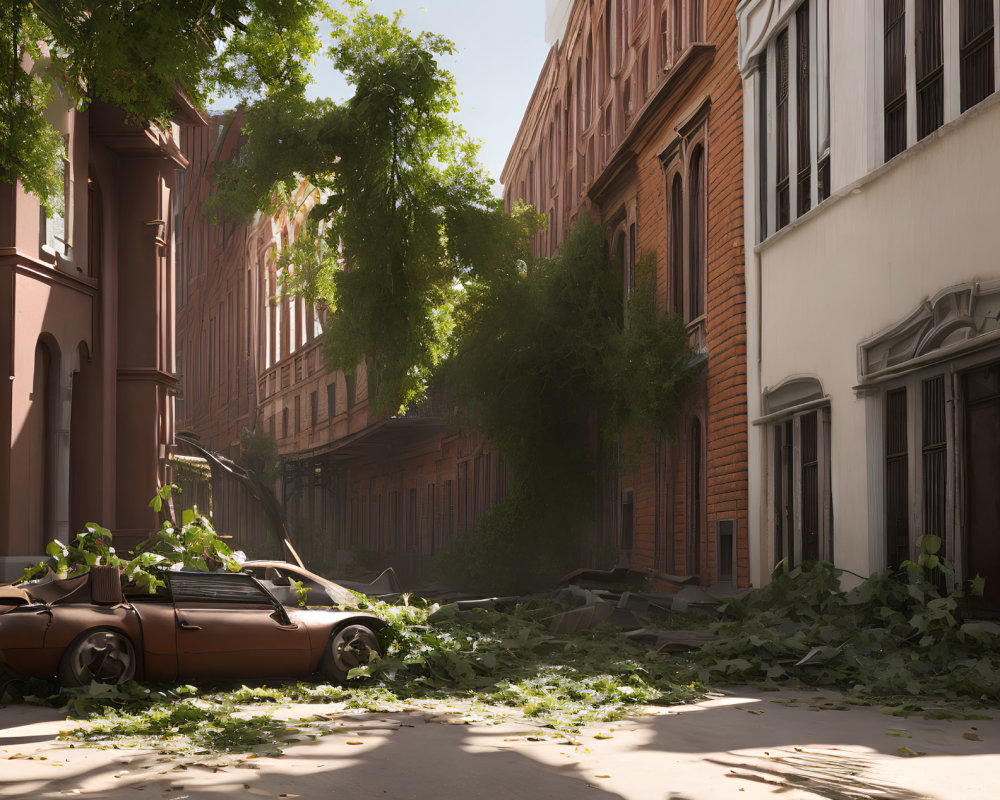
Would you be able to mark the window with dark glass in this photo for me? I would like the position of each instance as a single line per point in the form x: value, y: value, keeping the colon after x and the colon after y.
x: 897, y: 493
x: 895, y: 77
x: 803, y: 139
x: 697, y: 34
x: 930, y: 67
x: 762, y: 107
x: 696, y: 218
x: 677, y: 246
x: 331, y: 400
x: 781, y: 128
x: 678, y: 26
x: 934, y: 456
x: 976, y: 71
x: 810, y: 487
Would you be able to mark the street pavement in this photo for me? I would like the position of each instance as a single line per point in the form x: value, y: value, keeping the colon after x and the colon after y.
x: 741, y: 744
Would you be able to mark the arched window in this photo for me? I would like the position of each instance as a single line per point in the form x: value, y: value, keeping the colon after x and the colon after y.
x: 696, y: 250
x: 678, y: 26
x: 696, y: 31
x: 694, y: 480
x: 677, y: 245
x: 590, y: 82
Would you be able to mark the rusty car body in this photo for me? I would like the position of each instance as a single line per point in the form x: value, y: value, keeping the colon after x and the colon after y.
x: 202, y: 626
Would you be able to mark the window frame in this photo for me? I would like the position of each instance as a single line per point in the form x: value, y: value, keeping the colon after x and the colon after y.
x: 778, y: 425
x: 765, y: 119
x: 677, y: 160
x: 951, y: 69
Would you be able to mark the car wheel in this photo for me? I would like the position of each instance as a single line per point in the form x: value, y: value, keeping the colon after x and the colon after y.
x: 351, y: 646
x: 104, y: 656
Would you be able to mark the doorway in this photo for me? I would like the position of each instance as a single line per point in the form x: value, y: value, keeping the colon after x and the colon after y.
x: 981, y: 539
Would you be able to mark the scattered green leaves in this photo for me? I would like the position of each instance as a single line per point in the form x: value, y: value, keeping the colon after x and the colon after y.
x: 894, y: 635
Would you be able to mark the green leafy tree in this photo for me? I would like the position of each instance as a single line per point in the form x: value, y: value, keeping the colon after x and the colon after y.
x: 546, y: 357
x: 407, y: 220
x: 135, y: 54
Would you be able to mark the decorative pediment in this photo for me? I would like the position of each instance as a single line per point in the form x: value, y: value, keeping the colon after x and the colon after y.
x: 947, y: 322
x: 758, y: 20
x: 791, y: 393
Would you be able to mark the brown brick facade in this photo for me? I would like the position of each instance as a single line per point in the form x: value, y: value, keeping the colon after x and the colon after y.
x: 660, y: 105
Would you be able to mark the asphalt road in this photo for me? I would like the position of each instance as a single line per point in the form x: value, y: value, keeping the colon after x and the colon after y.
x: 741, y: 745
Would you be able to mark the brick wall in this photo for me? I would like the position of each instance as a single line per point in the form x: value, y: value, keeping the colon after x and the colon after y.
x: 627, y: 184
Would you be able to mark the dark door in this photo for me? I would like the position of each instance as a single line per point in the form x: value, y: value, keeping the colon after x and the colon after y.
x: 982, y: 463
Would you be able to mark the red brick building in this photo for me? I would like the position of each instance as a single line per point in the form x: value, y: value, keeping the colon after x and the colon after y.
x: 87, y: 310
x: 355, y: 487
x: 636, y: 119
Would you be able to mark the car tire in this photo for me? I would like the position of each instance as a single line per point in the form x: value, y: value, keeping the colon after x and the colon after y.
x: 102, y: 655
x: 349, y: 647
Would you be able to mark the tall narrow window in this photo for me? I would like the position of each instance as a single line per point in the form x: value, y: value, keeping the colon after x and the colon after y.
x: 897, y: 494
x: 677, y: 246
x: 762, y: 140
x: 678, y: 26
x: 664, y: 41
x: 934, y: 454
x: 784, y: 527
x: 610, y: 36
x: 930, y: 67
x: 809, y: 437
x: 781, y: 127
x: 695, y: 6
x: 696, y: 217
x: 694, y: 478
x: 803, y: 141
x: 895, y: 77
x: 976, y: 41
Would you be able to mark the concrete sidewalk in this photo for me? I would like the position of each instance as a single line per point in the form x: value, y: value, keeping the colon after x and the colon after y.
x: 740, y: 745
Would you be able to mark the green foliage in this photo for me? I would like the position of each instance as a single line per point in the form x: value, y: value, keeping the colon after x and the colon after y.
x: 407, y: 218
x: 191, y: 545
x: 895, y: 634
x: 511, y: 659
x: 543, y: 356
x: 301, y: 592
x: 483, y: 658
x: 135, y: 54
x: 259, y: 454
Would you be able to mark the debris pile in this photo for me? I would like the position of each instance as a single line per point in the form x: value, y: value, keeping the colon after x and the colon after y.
x: 895, y: 634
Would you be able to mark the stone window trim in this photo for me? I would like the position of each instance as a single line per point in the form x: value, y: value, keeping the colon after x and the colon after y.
x: 951, y: 71
x: 761, y: 25
x: 678, y: 159
x: 945, y: 337
x: 960, y: 319
x: 789, y: 404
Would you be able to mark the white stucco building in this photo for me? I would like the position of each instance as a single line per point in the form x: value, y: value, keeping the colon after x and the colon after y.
x: 872, y: 174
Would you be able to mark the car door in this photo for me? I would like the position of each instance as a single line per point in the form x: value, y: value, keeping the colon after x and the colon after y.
x: 228, y: 626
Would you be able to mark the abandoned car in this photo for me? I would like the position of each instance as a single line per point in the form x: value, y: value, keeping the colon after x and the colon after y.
x: 202, y: 625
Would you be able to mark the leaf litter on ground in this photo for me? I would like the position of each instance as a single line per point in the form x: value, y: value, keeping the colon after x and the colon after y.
x: 894, y: 639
